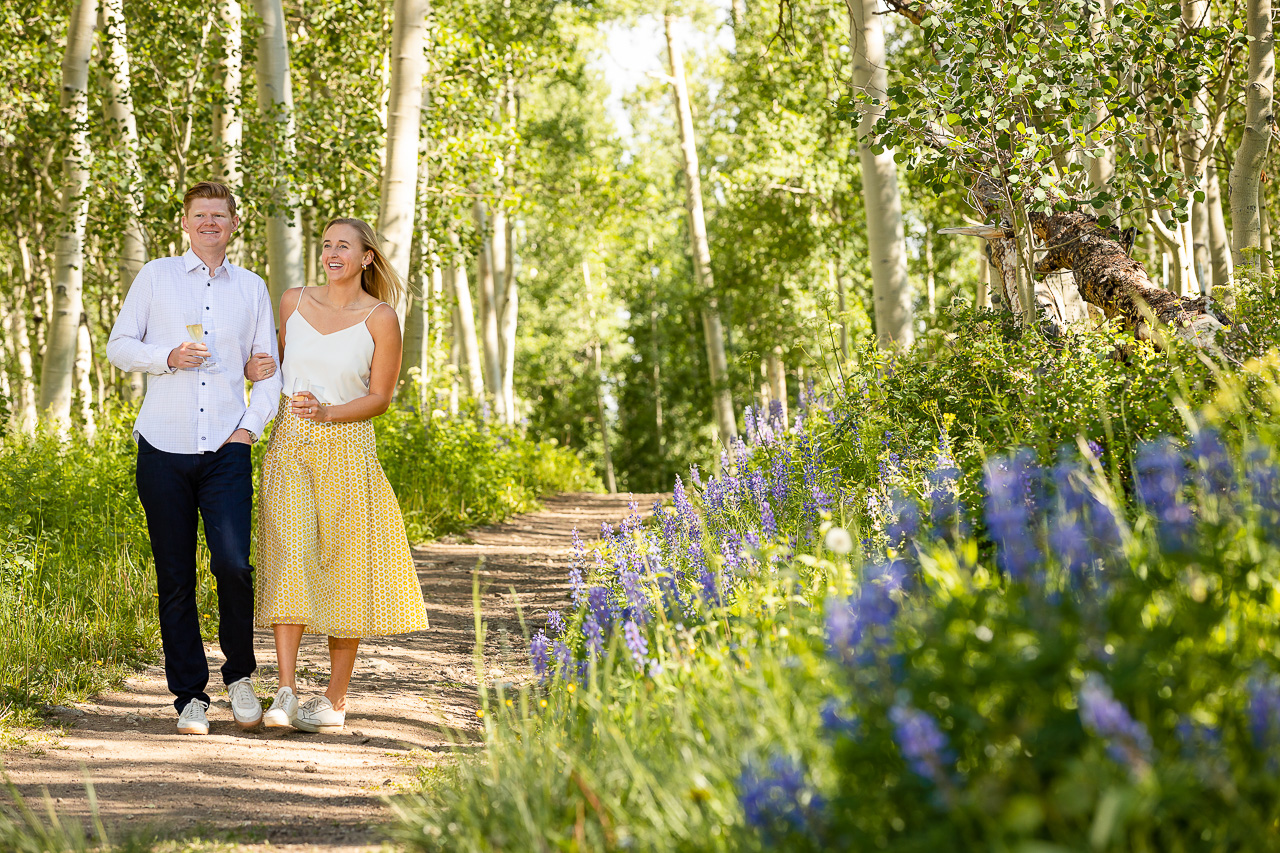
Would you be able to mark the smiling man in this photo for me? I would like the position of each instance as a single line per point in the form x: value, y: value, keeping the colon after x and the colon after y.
x: 192, y: 323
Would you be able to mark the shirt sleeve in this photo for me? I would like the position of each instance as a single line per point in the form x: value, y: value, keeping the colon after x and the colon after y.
x: 264, y: 398
x: 127, y: 348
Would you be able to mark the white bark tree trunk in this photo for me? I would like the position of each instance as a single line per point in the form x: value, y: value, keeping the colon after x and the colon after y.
x: 1246, y: 171
x: 118, y: 100
x: 84, y: 380
x: 610, y: 482
x: 1219, y: 239
x: 398, y: 202
x: 24, y: 394
x: 56, y: 375
x: 886, y: 243
x: 713, y: 330
x: 228, y: 120
x: 508, y: 319
x: 466, y: 322
x: 488, y: 308
x: 285, y: 264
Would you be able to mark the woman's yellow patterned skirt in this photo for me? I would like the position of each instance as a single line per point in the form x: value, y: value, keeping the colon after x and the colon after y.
x: 332, y: 551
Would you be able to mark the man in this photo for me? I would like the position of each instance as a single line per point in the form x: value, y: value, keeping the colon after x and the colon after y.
x: 194, y: 435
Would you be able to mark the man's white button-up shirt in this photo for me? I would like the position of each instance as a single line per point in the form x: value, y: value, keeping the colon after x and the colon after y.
x: 195, y: 410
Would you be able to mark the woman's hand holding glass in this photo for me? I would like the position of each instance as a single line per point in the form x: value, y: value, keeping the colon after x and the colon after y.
x: 305, y: 404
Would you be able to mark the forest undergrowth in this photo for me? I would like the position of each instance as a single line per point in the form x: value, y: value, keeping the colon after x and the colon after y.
x: 1002, y: 593
x: 77, y: 586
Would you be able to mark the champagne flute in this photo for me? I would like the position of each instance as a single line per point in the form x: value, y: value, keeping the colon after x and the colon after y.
x: 195, y: 330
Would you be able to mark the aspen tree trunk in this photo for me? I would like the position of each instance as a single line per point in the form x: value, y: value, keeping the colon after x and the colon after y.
x: 488, y: 308
x: 285, y: 264
x: 778, y: 380
x: 886, y: 243
x: 414, y: 347
x: 466, y: 323
x: 398, y: 201
x: 836, y: 283
x: 84, y: 380
x: 1264, y: 220
x: 24, y: 397
x: 1246, y: 172
x: 228, y: 120
x: 118, y: 100
x: 507, y: 321
x: 455, y: 356
x: 56, y: 375
x: 1219, y: 239
x: 712, y: 329
x: 609, y: 480
x: 982, y: 292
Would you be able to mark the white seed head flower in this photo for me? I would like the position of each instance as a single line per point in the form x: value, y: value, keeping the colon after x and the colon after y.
x: 839, y: 541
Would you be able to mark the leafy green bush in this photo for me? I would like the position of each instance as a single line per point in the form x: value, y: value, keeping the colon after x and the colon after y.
x: 850, y: 639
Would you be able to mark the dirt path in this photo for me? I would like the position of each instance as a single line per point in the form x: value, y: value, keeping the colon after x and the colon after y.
x: 299, y: 792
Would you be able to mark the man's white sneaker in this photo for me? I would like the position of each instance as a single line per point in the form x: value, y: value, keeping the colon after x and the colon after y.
x: 282, y: 711
x: 192, y: 720
x: 317, y: 715
x: 245, y: 706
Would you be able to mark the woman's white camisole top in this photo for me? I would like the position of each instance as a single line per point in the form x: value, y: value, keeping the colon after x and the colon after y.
x: 337, y: 364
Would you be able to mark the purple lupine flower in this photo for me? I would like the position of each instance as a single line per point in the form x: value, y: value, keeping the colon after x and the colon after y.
x: 1161, y: 474
x: 1264, y: 488
x: 606, y: 530
x: 870, y: 610
x: 778, y: 803
x: 671, y: 544
x: 756, y: 488
x: 696, y: 556
x: 1008, y: 515
x: 562, y: 656
x: 555, y: 623
x: 636, y: 642
x: 601, y: 611
x: 945, y: 516
x: 836, y: 719
x: 1067, y: 538
x: 780, y: 478
x: 1127, y: 740
x: 632, y: 522
x: 594, y: 634
x: 672, y: 602
x: 1264, y: 713
x: 694, y: 477
x: 1214, y: 474
x: 685, y: 509
x: 776, y: 416
x: 904, y: 519
x: 709, y: 588
x: 539, y: 652
x: 922, y: 743
x: 767, y: 521
x: 749, y: 420
x: 731, y: 551
x: 636, y: 599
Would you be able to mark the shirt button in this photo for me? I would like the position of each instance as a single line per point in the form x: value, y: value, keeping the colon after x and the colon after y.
x: 202, y: 438
x: 202, y: 410
x: 201, y: 383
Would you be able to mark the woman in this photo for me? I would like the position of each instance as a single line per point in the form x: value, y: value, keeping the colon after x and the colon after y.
x: 333, y: 555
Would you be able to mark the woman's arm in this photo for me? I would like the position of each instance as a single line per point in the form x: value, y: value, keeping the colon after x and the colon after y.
x: 384, y: 326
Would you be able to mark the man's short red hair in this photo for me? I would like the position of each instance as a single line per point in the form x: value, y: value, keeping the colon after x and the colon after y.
x: 209, y: 189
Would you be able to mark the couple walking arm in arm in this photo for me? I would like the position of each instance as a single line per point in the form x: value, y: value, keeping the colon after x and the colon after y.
x: 331, y: 544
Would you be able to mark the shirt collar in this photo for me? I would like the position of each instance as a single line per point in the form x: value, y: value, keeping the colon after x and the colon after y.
x: 192, y: 262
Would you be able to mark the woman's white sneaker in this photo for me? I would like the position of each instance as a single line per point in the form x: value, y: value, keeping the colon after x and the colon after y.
x: 192, y: 720
x: 317, y: 715
x: 282, y: 711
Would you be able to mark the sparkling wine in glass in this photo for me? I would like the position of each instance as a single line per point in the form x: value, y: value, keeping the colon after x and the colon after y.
x: 195, y: 330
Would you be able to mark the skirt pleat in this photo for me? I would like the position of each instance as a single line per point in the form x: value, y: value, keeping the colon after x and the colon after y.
x: 332, y: 551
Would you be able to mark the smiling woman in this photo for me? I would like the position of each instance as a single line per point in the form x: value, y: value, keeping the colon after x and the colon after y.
x: 334, y: 555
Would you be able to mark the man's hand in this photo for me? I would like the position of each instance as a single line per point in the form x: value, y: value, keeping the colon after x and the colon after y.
x: 188, y: 354
x: 240, y: 436
x: 261, y: 366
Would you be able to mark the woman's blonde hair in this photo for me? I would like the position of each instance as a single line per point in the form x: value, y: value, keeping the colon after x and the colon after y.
x: 378, y: 279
